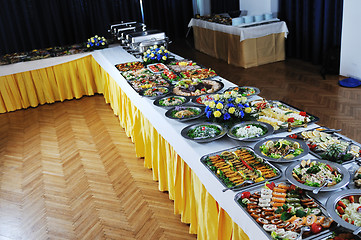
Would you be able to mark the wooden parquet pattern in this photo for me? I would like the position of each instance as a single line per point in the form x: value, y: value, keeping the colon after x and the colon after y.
x: 68, y: 171
x: 295, y: 82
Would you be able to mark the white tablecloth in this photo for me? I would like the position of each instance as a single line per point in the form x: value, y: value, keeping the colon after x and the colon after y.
x: 244, y: 33
x: 190, y: 151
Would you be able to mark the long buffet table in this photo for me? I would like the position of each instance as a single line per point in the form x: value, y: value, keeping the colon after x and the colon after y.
x: 175, y: 161
x: 241, y: 46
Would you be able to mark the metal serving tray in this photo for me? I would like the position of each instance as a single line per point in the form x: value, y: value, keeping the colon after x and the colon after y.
x: 138, y: 37
x: 278, y: 171
x: 312, y: 236
x: 317, y: 152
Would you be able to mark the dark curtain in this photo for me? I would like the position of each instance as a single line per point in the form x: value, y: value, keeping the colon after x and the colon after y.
x: 314, y: 27
x: 169, y: 16
x: 32, y: 24
x: 224, y: 6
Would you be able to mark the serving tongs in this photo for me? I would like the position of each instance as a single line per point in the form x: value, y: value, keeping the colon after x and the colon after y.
x: 329, y: 130
x: 324, y: 184
x: 239, y: 185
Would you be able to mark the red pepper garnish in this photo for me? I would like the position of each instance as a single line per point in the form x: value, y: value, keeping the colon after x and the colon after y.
x: 342, y: 204
x: 248, y: 126
x: 303, y: 114
x: 293, y: 136
x: 246, y: 164
x: 351, y: 199
x: 291, y: 120
x: 329, y: 167
x: 203, y: 128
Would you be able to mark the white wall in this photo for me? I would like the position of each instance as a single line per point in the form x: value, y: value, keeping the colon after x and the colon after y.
x: 257, y: 7
x: 350, y: 41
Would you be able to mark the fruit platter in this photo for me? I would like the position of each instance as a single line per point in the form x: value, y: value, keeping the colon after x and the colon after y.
x: 239, y: 168
x: 250, y: 131
x: 157, y: 67
x: 281, y: 210
x: 183, y: 66
x: 201, y: 73
x: 140, y: 84
x: 185, y: 113
x: 280, y: 115
x: 155, y: 92
x: 281, y: 150
x: 312, y: 174
x: 203, y: 132
x: 130, y: 66
x: 329, y: 145
x: 188, y: 87
x: 170, y: 101
x: 245, y: 91
x: 170, y: 76
x: 345, y: 208
x: 135, y: 74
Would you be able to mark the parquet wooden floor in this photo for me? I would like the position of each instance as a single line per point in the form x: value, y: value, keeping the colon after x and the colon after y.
x: 295, y: 82
x: 68, y: 171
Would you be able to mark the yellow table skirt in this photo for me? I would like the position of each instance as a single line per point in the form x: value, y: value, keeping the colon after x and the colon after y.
x: 247, y: 53
x: 85, y: 77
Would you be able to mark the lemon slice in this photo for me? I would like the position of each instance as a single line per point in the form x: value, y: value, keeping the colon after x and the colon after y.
x: 270, y: 144
x: 309, y: 134
x: 289, y: 156
x: 316, y: 133
x: 304, y: 134
x: 296, y: 145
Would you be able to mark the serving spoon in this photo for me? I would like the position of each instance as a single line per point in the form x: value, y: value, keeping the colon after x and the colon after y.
x: 239, y: 185
x: 324, y: 184
x: 303, y: 229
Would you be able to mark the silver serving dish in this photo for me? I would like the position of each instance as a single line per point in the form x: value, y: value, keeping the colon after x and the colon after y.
x: 168, y: 114
x: 139, y: 37
x: 277, y: 170
x: 312, y: 236
x: 113, y: 28
x: 185, y: 131
x: 157, y: 101
x: 302, y: 144
x: 143, y: 46
x: 345, y: 176
x: 157, y: 94
x: 231, y: 134
x: 194, y: 99
x: 257, y: 91
x: 331, y: 205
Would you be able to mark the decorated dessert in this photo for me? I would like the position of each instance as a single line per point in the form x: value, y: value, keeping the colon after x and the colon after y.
x: 187, y: 87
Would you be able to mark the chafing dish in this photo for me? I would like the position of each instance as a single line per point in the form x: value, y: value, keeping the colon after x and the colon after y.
x: 143, y: 46
x: 114, y: 27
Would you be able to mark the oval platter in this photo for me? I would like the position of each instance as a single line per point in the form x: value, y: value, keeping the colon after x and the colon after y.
x: 170, y: 112
x: 340, y: 169
x: 186, y: 130
x: 302, y: 145
x: 232, y: 135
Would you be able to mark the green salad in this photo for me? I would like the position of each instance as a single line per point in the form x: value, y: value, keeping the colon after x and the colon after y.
x: 204, y: 132
x: 281, y: 148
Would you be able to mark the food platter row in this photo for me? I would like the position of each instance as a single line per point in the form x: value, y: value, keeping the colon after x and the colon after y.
x: 274, y: 179
x: 282, y: 203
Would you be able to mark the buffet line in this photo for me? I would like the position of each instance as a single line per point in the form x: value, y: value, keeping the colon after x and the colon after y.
x: 274, y: 183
